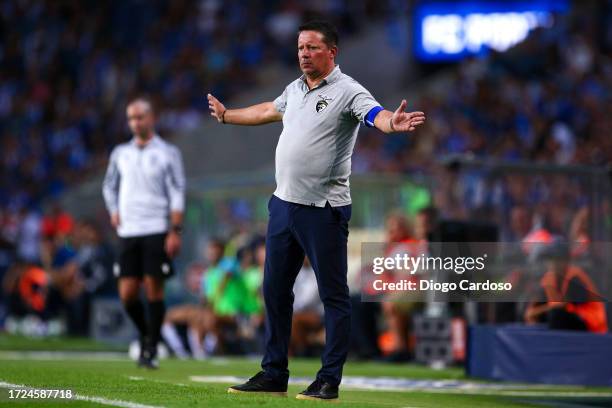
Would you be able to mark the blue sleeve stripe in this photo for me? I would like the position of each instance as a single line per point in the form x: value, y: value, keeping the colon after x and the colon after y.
x: 369, y: 118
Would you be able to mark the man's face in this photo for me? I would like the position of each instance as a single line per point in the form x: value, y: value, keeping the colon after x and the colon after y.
x: 314, y: 55
x: 140, y: 119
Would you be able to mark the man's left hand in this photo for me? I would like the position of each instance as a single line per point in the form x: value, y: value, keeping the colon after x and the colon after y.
x: 406, y: 121
x: 173, y: 244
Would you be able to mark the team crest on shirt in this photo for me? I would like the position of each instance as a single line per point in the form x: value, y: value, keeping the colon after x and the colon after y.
x: 322, y: 103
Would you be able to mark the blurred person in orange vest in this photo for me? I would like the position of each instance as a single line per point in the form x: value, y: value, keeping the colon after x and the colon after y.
x: 397, y: 311
x: 25, y: 287
x: 523, y: 244
x: 571, y: 298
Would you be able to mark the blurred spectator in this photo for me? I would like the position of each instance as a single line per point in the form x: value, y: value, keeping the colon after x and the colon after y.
x: 61, y: 276
x: 95, y: 259
x: 67, y: 295
x: 579, y: 233
x: 25, y: 287
x: 571, y: 300
x: 56, y: 223
x: 252, y: 270
x: 80, y: 270
x: 521, y: 224
x: 28, y: 236
x: 425, y: 224
x: 199, y: 319
x: 230, y: 304
x: 397, y: 312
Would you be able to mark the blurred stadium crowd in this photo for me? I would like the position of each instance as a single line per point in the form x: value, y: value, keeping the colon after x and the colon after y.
x: 545, y: 100
x: 65, y: 74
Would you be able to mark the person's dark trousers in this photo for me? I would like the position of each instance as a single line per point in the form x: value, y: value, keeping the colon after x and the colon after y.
x: 295, y: 230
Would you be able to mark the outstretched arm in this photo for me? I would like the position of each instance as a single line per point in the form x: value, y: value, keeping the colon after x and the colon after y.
x: 398, y: 121
x: 253, y: 115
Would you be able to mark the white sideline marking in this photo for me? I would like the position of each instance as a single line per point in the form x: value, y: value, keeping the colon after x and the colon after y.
x: 135, y: 378
x: 64, y: 355
x: 99, y: 400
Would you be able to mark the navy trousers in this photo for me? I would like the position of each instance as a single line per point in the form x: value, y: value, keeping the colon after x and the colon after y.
x: 295, y: 230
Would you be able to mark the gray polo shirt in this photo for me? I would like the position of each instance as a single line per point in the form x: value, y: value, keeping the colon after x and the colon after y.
x: 320, y: 125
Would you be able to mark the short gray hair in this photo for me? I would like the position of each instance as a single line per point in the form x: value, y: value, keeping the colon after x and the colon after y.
x: 144, y: 100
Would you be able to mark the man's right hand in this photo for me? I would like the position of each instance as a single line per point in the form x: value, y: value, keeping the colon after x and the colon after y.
x: 115, y: 220
x: 217, y: 109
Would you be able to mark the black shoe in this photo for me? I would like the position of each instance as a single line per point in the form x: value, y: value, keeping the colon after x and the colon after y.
x: 260, y: 384
x: 148, y: 356
x: 319, y: 390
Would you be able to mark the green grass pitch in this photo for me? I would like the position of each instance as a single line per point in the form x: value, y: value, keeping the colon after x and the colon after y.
x: 116, y: 380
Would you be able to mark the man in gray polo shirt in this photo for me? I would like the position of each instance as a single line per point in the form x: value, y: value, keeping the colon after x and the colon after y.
x: 309, y: 212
